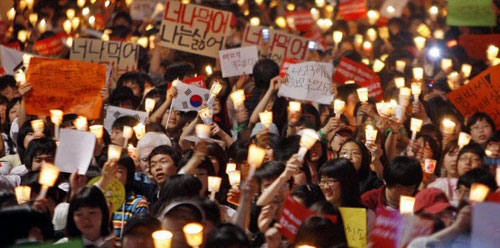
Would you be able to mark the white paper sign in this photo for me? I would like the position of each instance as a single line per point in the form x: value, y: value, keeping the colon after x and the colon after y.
x: 190, y: 97
x: 143, y: 9
x: 486, y: 225
x: 236, y: 61
x: 309, y: 81
x: 11, y: 58
x: 113, y: 113
x: 75, y: 151
x: 393, y: 8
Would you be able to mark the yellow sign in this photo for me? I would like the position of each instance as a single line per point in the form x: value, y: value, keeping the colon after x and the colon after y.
x: 114, y: 193
x: 355, y: 226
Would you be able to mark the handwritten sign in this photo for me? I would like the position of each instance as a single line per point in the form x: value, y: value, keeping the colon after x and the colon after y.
x: 51, y: 46
x: 194, y: 28
x: 355, y: 226
x: 309, y: 81
x: 75, y: 151
x: 481, y: 94
x: 281, y: 44
x: 286, y: 64
x: 113, y: 113
x: 477, y: 44
x: 471, y: 13
x: 301, y: 20
x: 236, y: 61
x: 361, y: 74
x: 485, y: 225
x: 353, y: 9
x: 71, y: 86
x: 122, y: 56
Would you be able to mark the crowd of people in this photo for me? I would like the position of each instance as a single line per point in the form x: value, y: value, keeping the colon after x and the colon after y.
x: 168, y: 182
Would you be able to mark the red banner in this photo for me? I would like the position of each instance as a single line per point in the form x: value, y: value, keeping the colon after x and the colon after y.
x: 361, y: 74
x: 353, y: 9
x: 477, y: 44
x: 317, y: 36
x: 49, y: 47
x: 286, y: 63
x: 2, y: 71
x: 196, y: 81
x: 302, y: 20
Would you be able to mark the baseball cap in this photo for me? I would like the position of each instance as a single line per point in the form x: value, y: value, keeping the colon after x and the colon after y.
x: 432, y: 201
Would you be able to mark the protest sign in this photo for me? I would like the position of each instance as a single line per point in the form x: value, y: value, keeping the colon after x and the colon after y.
x: 75, y: 151
x: 485, y: 225
x: 317, y: 36
x: 476, y: 46
x: 198, y: 81
x: 11, y: 59
x: 393, y: 8
x: 71, y: 86
x: 190, y: 97
x: 391, y: 229
x: 353, y: 9
x: 481, y: 94
x: 286, y: 64
x: 194, y: 28
x: 471, y: 13
x: 301, y: 20
x: 281, y: 44
x: 361, y: 74
x: 143, y: 9
x: 236, y: 61
x: 355, y: 226
x: 122, y: 56
x: 52, y: 46
x: 114, y: 193
x: 113, y: 113
x: 309, y: 81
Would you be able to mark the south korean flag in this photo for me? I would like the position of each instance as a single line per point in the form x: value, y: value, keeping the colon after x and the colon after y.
x: 190, y: 97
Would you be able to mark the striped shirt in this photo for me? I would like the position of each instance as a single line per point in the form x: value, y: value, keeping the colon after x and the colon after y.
x: 135, y: 204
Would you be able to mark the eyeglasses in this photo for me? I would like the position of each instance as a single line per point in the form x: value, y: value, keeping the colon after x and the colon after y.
x: 328, y: 182
x: 471, y: 159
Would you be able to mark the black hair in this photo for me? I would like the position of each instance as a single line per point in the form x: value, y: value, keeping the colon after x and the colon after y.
x: 366, y: 159
x: 320, y: 231
x: 211, y: 210
x: 472, y: 148
x: 309, y: 194
x: 178, y: 70
x: 7, y: 199
x: 8, y: 122
x: 227, y: 235
x: 142, y: 219
x: 206, y: 163
x: 167, y: 150
x: 134, y: 77
x: 263, y: 71
x: 122, y: 95
x: 436, y: 150
x: 124, y: 15
x: 345, y: 90
x: 289, y: 146
x: 24, y: 130
x: 478, y: 175
x: 37, y: 147
x: 129, y: 165
x: 17, y: 222
x: 480, y: 116
x: 7, y: 81
x: 403, y: 171
x: 238, y: 151
x: 124, y: 121
x: 343, y: 170
x: 177, y: 187
x: 218, y: 153
x: 89, y: 196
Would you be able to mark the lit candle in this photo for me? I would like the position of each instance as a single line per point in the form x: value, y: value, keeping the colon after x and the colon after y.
x: 373, y: 16
x: 97, y: 130
x: 358, y: 40
x: 378, y: 65
x: 400, y: 82
x: 424, y: 30
x: 254, y: 21
x: 38, y: 126
x: 215, y: 89
x: 350, y: 82
x: 11, y: 14
x: 213, y: 186
x: 70, y: 13
x: 42, y: 26
x: 362, y: 94
x: 416, y: 89
x: 80, y: 3
x: 259, y: 2
x: 48, y: 177
x: 86, y: 11
x: 315, y: 13
x: 114, y: 152
x: 202, y: 131
x: 454, y: 77
x: 23, y: 194
x: 30, y: 3
x: 81, y: 123
x: 128, y: 132
x: 230, y: 167
x: 307, y: 140
x: 238, y: 98
x: 33, y: 17
x: 193, y: 232
x: 399, y: 112
x: 255, y: 158
x: 139, y: 130
x: 67, y: 26
x: 446, y: 64
x: 463, y: 139
x: 206, y: 115
x: 129, y: 2
x: 371, y: 33
x: 418, y: 73
x: 20, y: 77
x: 367, y: 47
x: 143, y: 42
x: 384, y: 32
x: 162, y: 239
x: 320, y: 3
x: 22, y: 35
x: 404, y: 96
x: 281, y: 22
x: 419, y: 42
x: 429, y: 166
x: 370, y: 133
x: 338, y: 107
x: 439, y: 34
x: 492, y: 52
x: 294, y: 106
x: 266, y: 118
x: 149, y: 105
x: 478, y: 192
x: 75, y: 23
x: 92, y: 21
x: 337, y: 37
x: 466, y: 70
x: 448, y: 126
x: 433, y: 12
x: 406, y: 204
x: 400, y: 65
x: 234, y: 178
x: 415, y: 126
x: 290, y: 7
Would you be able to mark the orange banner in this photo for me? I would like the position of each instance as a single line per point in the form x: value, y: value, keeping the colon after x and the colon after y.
x: 71, y: 86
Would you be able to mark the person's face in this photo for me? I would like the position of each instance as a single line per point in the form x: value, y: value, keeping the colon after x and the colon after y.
x: 162, y: 166
x: 39, y: 160
x: 269, y: 154
x: 337, y: 141
x: 88, y: 220
x: 217, y: 106
x: 175, y: 117
x: 143, y: 158
x: 493, y: 149
x: 481, y: 131
x: 424, y: 152
x: 13, y: 112
x: 352, y: 100
x: 331, y: 188
x: 463, y: 193
x: 395, y: 192
x: 352, y: 152
x: 136, y: 89
x: 299, y: 179
x: 139, y: 237
x: 316, y: 152
x: 202, y: 174
x: 10, y: 93
x: 450, y: 163
x: 117, y: 137
x: 468, y: 161
x: 121, y: 174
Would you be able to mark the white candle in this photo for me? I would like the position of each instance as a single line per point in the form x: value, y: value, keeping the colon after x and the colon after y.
x: 254, y: 21
x: 38, y: 126
x: 266, y: 118
x: 149, y: 105
x: 478, y: 192
x: 492, y: 52
x: 214, y: 184
x: 193, y: 232
x: 81, y: 123
x: 162, y: 239
x: 446, y: 64
x: 338, y: 107
x: 139, y: 130
x: 337, y: 36
x: 373, y: 16
x: 97, y: 130
x: 11, y: 14
x: 362, y: 94
x: 70, y: 13
x: 294, y: 106
x: 384, y: 32
x: 463, y: 139
x: 23, y: 194
x: 114, y: 152
x: 400, y: 65
x: 418, y: 73
x: 48, y: 175
x: 234, y: 178
x: 400, y: 82
x: 371, y: 33
x: 128, y: 132
x: 466, y: 70
x: 448, y: 126
x: 415, y: 126
x: 419, y: 42
x: 202, y: 131
x: 238, y: 98
x: 406, y: 204
x: 416, y: 89
x: 378, y: 65
x: 230, y: 167
x: 404, y: 96
x: 370, y: 133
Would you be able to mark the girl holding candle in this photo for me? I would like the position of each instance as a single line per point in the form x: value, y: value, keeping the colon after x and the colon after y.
x: 481, y: 128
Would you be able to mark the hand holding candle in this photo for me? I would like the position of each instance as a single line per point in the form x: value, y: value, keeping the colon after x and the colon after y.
x: 307, y: 140
x: 370, y: 133
x: 415, y: 126
x: 48, y: 177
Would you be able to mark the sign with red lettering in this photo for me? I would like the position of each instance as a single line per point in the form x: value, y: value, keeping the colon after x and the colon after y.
x: 361, y: 74
x: 236, y: 61
x: 286, y: 63
x: 52, y: 46
x: 194, y: 28
x: 301, y: 20
x: 196, y: 81
x: 391, y: 229
x: 481, y: 94
x: 353, y: 9
x: 281, y: 44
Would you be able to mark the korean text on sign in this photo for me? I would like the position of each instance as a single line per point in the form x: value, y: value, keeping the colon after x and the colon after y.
x: 281, y: 44
x: 195, y: 29
x: 235, y: 62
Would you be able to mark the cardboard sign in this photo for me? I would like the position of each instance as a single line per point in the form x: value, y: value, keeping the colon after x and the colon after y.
x: 71, y: 86
x: 309, y: 81
x: 292, y: 216
x: 194, y: 28
x: 75, y: 151
x: 485, y: 225
x: 48, y: 47
x: 143, y: 9
x: 355, y: 226
x: 393, y: 8
x: 353, y: 9
x: 471, y: 13
x: 286, y: 64
x: 477, y: 44
x: 301, y: 20
x: 190, y: 97
x: 236, y: 61
x: 198, y: 81
x: 281, y: 44
x: 122, y: 56
x: 393, y: 230
x: 481, y: 94
x: 361, y: 74
x: 113, y: 113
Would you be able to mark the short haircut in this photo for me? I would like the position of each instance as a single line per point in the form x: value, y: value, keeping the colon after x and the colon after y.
x: 166, y: 150
x: 142, y: 219
x: 18, y: 221
x: 343, y: 170
x: 478, y: 175
x: 270, y: 171
x: 263, y: 71
x: 472, y: 148
x: 176, y: 188
x: 345, y: 90
x: 124, y: 15
x: 7, y: 81
x: 309, y: 194
x: 123, y: 94
x: 37, y: 147
x: 134, y: 77
x: 90, y: 196
x: 478, y: 117
x: 238, y: 151
x: 227, y: 235
x: 124, y: 121
x: 403, y: 171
